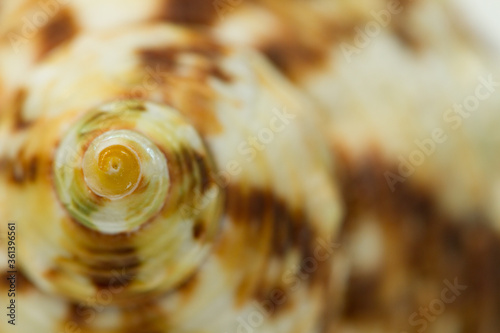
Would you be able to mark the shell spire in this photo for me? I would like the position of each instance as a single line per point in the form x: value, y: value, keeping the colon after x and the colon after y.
x: 166, y: 187
x: 112, y: 169
x: 113, y: 173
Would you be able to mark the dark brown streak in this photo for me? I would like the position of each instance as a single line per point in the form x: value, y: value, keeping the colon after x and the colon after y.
x: 405, y: 35
x: 220, y: 74
x: 269, y: 229
x: 204, y: 171
x: 75, y: 316
x: 23, y: 284
x: 19, y: 122
x: 144, y: 316
x: 101, y: 272
x: 289, y: 55
x: 23, y: 169
x: 290, y: 227
x: 401, y: 27
x: 188, y: 11
x: 198, y: 229
x: 59, y: 30
x: 189, y: 285
x: 164, y: 60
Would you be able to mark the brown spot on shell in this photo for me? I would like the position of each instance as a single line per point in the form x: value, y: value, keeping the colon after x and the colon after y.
x: 186, y: 88
x: 53, y: 273
x: 144, y: 316
x: 201, y: 45
x: 187, y: 287
x: 184, y: 160
x: 164, y: 60
x: 268, y: 229
x: 188, y: 11
x: 104, y: 258
x: 159, y: 59
x: 275, y: 299
x: 255, y: 206
x: 23, y: 284
x: 219, y: 73
x: 422, y: 243
x: 401, y: 27
x: 125, y: 251
x: 59, y: 30
x: 101, y: 272
x: 19, y: 100
x: 298, y: 46
x: 204, y: 171
x: 23, y: 169
x: 77, y: 317
x: 406, y: 35
x: 362, y: 295
x: 4, y: 164
x: 291, y: 56
x: 140, y: 107
x: 198, y: 229
x: 196, y: 102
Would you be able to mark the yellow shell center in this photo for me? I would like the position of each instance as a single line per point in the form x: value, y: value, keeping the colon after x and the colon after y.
x: 114, y: 172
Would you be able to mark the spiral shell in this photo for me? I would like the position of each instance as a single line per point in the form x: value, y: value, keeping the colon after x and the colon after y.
x: 210, y: 209
x: 248, y: 166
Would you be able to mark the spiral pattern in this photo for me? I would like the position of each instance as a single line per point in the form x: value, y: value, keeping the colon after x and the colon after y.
x: 126, y: 170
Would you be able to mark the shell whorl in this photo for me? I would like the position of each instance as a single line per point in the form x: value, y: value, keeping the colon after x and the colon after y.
x: 112, y: 166
x: 125, y: 171
x: 227, y: 233
x: 280, y: 199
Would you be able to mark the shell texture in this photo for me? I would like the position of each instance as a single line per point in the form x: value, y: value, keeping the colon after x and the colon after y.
x: 206, y: 166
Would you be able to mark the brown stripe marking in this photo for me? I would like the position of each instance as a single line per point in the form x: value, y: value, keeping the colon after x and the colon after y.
x: 291, y: 55
x: 190, y: 94
x: 102, y: 256
x: 123, y: 251
x: 19, y: 101
x: 59, y: 30
x: 188, y: 11
x: 4, y: 164
x: 187, y: 288
x: 362, y: 295
x: 406, y: 35
x: 255, y: 206
x: 199, y: 229
x: 196, y: 101
x: 77, y: 317
x: 297, y: 48
x: 102, y: 264
x: 144, y: 316
x: 101, y: 272
x: 160, y: 60
x: 220, y: 74
x: 23, y: 284
x: 204, y: 171
x: 164, y: 60
x: 166, y: 56
x: 274, y: 298
x: 402, y: 29
x: 268, y: 229
x: 23, y: 169
x: 186, y: 167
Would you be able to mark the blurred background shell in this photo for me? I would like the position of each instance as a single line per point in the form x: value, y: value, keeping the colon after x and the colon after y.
x: 387, y: 162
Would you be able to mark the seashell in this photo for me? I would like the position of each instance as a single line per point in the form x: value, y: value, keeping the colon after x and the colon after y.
x: 249, y: 166
x: 162, y: 186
